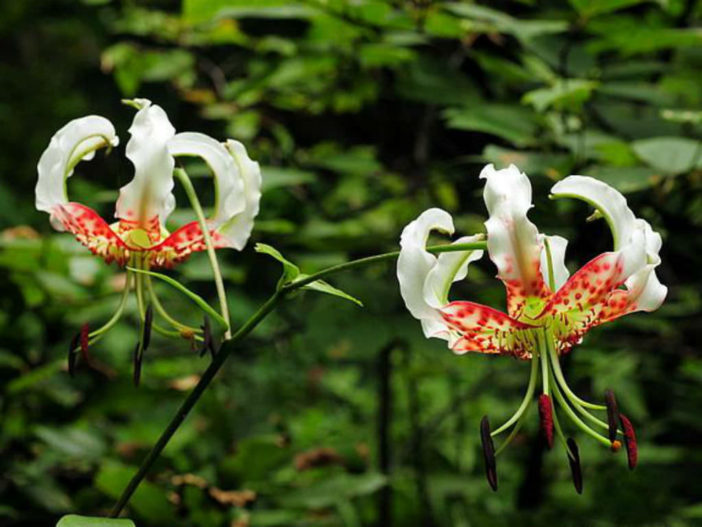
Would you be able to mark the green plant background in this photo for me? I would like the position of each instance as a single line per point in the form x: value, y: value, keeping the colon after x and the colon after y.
x: 362, y: 114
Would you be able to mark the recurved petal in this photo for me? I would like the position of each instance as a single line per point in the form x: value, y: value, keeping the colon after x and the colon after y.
x: 513, y: 240
x: 450, y: 267
x: 486, y: 330
x: 415, y: 263
x: 553, y: 260
x: 149, y: 194
x: 76, y: 141
x: 238, y: 229
x: 608, y: 201
x: 228, y: 181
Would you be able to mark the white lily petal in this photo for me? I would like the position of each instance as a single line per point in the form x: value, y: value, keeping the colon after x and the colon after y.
x: 610, y: 202
x: 149, y: 194
x: 557, y: 248
x: 229, y: 185
x: 238, y: 229
x: 450, y: 267
x: 76, y: 141
x: 645, y: 290
x: 414, y: 265
x: 513, y: 240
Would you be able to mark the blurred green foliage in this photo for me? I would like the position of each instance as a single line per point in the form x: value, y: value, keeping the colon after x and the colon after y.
x: 362, y: 113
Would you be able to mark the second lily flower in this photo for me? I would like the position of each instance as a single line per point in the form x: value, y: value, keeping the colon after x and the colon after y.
x: 548, y: 310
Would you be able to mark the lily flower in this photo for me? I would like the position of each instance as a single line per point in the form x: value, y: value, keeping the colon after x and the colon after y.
x: 138, y: 239
x: 548, y: 311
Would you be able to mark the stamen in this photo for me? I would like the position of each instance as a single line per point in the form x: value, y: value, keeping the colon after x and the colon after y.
x: 488, y: 452
x: 207, y: 341
x: 612, y: 412
x: 632, y: 450
x: 148, y: 321
x: 137, y: 364
x: 528, y: 396
x: 85, y: 341
x: 575, y: 469
x: 72, y: 354
x: 546, y: 418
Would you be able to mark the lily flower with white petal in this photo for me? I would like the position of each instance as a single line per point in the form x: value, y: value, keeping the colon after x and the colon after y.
x: 139, y: 238
x: 548, y: 310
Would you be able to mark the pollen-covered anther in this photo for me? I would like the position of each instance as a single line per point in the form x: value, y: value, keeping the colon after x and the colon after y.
x: 546, y: 418
x: 137, y: 364
x: 488, y: 452
x: 612, y: 412
x: 148, y: 321
x: 629, y: 441
x: 575, y: 468
x: 616, y: 445
x: 85, y: 341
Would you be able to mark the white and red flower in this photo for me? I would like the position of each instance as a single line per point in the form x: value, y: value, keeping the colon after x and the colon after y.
x: 147, y: 200
x: 548, y: 310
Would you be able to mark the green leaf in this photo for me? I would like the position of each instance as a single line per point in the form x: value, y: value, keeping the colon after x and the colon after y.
x: 274, y: 177
x: 290, y: 270
x: 517, y: 125
x: 324, y: 287
x: 148, y: 500
x: 671, y: 155
x: 625, y: 179
x: 73, y: 520
x: 590, y: 8
x: 197, y: 299
x: 565, y: 94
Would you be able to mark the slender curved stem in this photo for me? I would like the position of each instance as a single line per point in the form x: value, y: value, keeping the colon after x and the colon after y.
x: 527, y: 397
x: 117, y: 314
x: 219, y: 283
x: 229, y: 346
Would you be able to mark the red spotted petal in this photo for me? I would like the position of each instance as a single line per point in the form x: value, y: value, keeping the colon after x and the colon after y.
x: 92, y: 231
x: 591, y: 296
x: 486, y: 330
x: 181, y: 244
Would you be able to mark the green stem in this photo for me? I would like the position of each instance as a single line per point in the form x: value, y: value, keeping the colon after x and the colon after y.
x: 229, y: 346
x: 528, y: 396
x: 543, y: 359
x: 219, y: 283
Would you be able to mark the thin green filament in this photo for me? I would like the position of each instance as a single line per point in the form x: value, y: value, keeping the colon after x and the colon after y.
x: 561, y: 379
x: 576, y: 420
x: 528, y: 396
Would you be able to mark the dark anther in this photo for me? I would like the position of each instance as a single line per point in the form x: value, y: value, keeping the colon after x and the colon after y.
x: 148, y: 321
x: 488, y: 452
x: 612, y: 412
x: 85, y: 341
x: 137, y: 364
x: 575, y: 469
x: 632, y: 451
x: 207, y: 340
x: 72, y: 354
x: 546, y: 418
